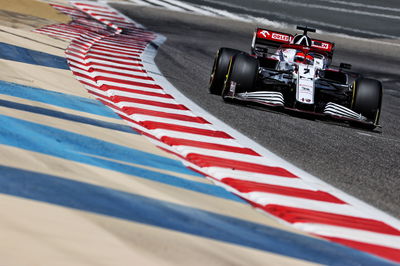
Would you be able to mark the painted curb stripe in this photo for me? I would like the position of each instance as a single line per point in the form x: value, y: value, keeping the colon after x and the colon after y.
x: 297, y: 215
x: 208, y: 150
x: 193, y: 143
x: 245, y: 187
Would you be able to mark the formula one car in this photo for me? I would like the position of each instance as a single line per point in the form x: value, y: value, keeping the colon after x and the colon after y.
x: 294, y: 72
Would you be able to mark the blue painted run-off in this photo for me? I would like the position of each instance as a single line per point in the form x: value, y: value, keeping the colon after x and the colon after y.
x: 83, y: 149
x: 140, y: 209
x: 66, y: 116
x: 24, y: 55
x: 57, y: 99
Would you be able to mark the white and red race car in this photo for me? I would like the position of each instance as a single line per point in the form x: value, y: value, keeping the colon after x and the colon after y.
x: 294, y: 72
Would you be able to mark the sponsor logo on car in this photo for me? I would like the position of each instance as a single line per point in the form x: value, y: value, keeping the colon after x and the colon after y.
x: 280, y: 37
x: 264, y: 33
x: 270, y: 35
x: 321, y: 45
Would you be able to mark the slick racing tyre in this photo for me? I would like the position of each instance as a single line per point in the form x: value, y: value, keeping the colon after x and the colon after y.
x: 242, y: 75
x: 367, y: 98
x: 220, y: 68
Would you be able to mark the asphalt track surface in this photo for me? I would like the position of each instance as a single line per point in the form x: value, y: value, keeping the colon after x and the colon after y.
x: 362, y: 18
x: 362, y: 163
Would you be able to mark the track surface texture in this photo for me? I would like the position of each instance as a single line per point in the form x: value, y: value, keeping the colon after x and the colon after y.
x: 362, y: 18
x: 362, y: 163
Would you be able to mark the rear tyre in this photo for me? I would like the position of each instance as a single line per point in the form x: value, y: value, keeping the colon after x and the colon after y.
x: 367, y: 99
x: 220, y: 68
x: 242, y: 75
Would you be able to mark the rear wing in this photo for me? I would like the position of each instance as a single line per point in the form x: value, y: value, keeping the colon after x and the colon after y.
x: 264, y: 38
x: 323, y: 46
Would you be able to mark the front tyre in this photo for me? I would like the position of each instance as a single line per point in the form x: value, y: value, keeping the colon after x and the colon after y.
x: 367, y: 99
x: 220, y: 68
x: 242, y: 75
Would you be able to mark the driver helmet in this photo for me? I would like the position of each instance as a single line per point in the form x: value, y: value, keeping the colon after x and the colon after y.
x: 303, y: 58
x: 301, y: 39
